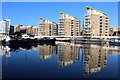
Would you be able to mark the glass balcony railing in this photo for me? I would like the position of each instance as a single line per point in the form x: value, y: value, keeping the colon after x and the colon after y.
x: 88, y: 33
x: 87, y: 29
x: 87, y: 26
x: 87, y: 15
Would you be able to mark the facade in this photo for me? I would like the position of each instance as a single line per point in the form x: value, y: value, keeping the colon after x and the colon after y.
x: 5, y: 26
x: 95, y: 58
x: 33, y: 30
x: 114, y: 31
x: 46, y: 51
x: 18, y: 27
x: 68, y: 54
x: 48, y: 28
x: 68, y: 25
x: 96, y: 23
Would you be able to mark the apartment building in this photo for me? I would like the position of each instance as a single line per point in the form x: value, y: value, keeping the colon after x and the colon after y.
x: 48, y: 28
x: 5, y: 26
x: 68, y: 25
x: 33, y: 30
x: 68, y: 54
x: 96, y: 23
x: 46, y: 51
x: 95, y: 58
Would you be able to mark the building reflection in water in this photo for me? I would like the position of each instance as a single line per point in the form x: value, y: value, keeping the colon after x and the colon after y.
x: 5, y: 50
x: 95, y: 58
x: 68, y: 54
x: 46, y: 51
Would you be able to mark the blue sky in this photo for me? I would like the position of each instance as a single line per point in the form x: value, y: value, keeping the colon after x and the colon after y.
x: 28, y: 13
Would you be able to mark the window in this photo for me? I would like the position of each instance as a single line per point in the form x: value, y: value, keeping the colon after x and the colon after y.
x: 100, y: 19
x: 100, y: 16
x: 106, y: 20
x: 100, y: 31
x: 106, y: 23
x: 106, y: 17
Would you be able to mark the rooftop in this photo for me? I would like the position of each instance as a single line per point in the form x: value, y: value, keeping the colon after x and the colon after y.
x: 96, y: 10
x: 67, y: 14
x: 46, y: 19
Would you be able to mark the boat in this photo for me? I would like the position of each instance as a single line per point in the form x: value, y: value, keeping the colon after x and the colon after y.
x: 115, y: 42
x: 18, y: 41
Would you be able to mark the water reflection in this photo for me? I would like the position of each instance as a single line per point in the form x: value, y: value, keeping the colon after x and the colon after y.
x: 46, y: 51
x: 94, y: 57
x: 5, y: 50
x: 68, y: 54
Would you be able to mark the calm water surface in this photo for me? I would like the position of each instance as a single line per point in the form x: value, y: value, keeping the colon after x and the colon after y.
x: 63, y: 60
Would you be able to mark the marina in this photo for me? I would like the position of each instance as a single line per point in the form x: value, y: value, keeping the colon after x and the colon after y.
x: 25, y: 39
x: 59, y: 40
x: 61, y: 60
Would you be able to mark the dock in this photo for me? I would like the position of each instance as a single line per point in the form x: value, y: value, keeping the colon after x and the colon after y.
x: 51, y: 39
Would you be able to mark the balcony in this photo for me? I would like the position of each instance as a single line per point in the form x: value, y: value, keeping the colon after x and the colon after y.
x: 61, y: 29
x: 87, y: 21
x: 87, y: 24
x: 87, y: 28
x: 60, y: 32
x: 87, y: 32
x: 107, y: 18
x: 87, y: 15
x: 100, y: 25
x: 87, y: 18
x: 106, y: 28
x: 60, y: 19
x: 61, y: 25
x: 107, y: 25
x: 61, y: 22
x: 107, y: 22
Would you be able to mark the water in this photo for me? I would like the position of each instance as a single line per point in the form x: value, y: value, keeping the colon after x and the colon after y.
x: 63, y: 60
